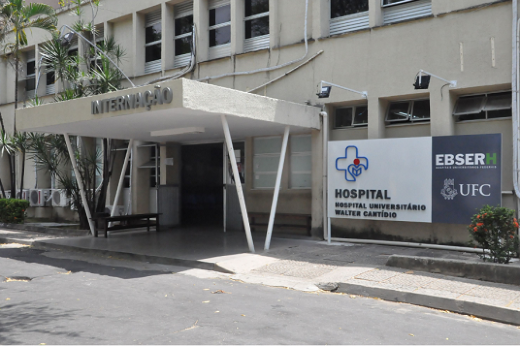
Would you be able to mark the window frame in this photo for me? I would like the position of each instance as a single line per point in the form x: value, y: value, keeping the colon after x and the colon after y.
x: 346, y: 16
x: 483, y: 107
x: 409, y: 120
x: 181, y: 36
x: 221, y: 25
x: 32, y: 75
x: 154, y: 43
x: 299, y: 154
x: 96, y: 58
x: 352, y: 126
x: 253, y: 17
x: 395, y: 3
x: 270, y: 155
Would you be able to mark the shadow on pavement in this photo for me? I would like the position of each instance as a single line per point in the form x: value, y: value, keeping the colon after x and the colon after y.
x: 29, y: 255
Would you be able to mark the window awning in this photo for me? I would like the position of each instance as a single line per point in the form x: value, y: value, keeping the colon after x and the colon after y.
x: 191, y: 115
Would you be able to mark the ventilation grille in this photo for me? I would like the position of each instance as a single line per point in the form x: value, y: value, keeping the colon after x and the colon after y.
x: 182, y: 60
x: 416, y: 9
x: 256, y: 43
x: 152, y: 17
x: 217, y: 3
x: 183, y: 9
x: 50, y: 89
x: 349, y: 23
x: 153, y: 66
x: 30, y: 94
x: 219, y: 51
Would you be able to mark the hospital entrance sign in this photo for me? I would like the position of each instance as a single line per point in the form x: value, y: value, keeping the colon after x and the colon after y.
x: 426, y: 179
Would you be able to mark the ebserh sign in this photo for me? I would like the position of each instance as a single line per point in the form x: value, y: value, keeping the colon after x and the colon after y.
x: 426, y: 179
x: 467, y: 174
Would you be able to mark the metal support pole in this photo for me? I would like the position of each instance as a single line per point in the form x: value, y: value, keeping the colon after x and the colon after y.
x: 240, y: 192
x: 122, y: 177
x: 225, y: 186
x: 157, y: 183
x: 80, y: 184
x: 277, y: 189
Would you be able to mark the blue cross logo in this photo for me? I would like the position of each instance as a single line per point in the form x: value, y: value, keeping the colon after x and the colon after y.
x: 354, y: 165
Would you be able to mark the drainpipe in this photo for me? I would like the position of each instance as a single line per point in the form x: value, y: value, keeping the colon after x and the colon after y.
x: 325, y: 135
x: 514, y: 86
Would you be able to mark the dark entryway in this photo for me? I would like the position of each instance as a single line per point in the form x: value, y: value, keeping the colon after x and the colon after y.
x: 202, y: 184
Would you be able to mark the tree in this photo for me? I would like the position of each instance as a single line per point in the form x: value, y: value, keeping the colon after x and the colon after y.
x: 18, y: 17
x: 50, y: 153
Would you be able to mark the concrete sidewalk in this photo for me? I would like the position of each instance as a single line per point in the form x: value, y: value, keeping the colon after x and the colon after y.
x: 306, y: 265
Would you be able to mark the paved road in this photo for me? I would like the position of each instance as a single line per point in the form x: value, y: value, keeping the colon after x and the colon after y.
x: 75, y: 299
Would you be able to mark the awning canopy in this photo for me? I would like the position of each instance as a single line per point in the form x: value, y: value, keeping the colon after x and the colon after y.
x: 182, y: 111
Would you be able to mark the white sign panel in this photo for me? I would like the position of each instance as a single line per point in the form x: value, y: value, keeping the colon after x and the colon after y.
x: 382, y: 179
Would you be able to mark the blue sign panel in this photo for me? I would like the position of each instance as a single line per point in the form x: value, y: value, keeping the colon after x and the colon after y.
x: 466, y: 176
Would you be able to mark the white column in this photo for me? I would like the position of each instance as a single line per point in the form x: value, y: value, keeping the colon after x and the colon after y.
x: 80, y: 184
x: 224, y: 175
x: 277, y: 189
x: 240, y: 192
x: 122, y: 177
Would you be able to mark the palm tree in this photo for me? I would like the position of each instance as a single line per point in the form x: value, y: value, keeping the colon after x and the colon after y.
x: 18, y: 17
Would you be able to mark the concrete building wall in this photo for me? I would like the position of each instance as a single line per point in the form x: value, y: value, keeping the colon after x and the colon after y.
x: 464, y: 40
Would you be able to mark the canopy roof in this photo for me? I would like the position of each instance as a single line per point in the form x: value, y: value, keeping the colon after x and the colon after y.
x: 192, y: 116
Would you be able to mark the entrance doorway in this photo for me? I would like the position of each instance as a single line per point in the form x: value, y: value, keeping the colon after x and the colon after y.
x: 202, y: 176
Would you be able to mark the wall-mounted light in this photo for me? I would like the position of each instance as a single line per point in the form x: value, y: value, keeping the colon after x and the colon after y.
x: 422, y: 80
x: 324, y: 90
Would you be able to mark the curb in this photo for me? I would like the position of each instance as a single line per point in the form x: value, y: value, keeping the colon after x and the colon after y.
x: 42, y: 245
x: 492, y: 272
x: 16, y: 241
x: 46, y: 230
x: 488, y: 312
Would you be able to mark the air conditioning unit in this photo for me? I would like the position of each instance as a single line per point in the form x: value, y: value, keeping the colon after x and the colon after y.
x: 59, y: 198
x: 39, y: 198
x: 120, y: 210
x: 24, y: 196
x: 7, y: 194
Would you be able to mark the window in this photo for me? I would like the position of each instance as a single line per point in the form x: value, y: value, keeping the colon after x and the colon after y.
x: 301, y: 162
x: 30, y: 81
x: 340, y: 8
x: 153, y: 42
x: 220, y: 26
x: 395, y: 11
x: 183, y: 27
x: 266, y: 156
x: 351, y: 117
x: 153, y: 160
x: 183, y: 33
x: 408, y: 111
x: 348, y: 15
x: 95, y: 58
x: 257, y: 18
x: 50, y: 79
x: 153, y: 39
x: 483, y: 106
x: 387, y: 3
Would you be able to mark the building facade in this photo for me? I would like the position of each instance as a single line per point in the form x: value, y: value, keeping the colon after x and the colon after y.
x: 283, y: 50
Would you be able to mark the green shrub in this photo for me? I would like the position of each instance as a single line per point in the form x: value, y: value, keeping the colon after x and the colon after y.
x: 13, y: 210
x: 495, y: 229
